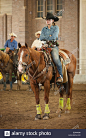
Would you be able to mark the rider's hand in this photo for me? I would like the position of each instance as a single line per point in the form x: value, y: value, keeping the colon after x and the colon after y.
x: 7, y: 49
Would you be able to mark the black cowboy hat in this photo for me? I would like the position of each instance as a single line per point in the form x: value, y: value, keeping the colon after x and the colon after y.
x: 51, y: 16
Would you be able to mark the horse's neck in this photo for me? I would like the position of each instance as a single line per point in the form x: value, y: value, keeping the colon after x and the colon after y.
x: 36, y: 57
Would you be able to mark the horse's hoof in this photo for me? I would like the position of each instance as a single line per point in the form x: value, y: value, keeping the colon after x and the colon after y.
x: 46, y: 116
x: 59, y: 115
x: 10, y: 89
x: 67, y: 111
x: 38, y: 117
x: 30, y: 90
x: 59, y: 111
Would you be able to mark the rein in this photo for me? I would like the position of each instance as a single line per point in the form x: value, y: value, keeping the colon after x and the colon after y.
x: 33, y: 77
x: 39, y: 74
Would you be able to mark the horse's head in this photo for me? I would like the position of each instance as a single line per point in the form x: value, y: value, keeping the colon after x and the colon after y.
x: 23, y: 58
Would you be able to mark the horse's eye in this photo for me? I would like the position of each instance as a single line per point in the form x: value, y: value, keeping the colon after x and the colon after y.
x: 26, y: 55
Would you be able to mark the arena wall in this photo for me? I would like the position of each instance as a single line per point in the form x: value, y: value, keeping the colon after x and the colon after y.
x: 24, y: 22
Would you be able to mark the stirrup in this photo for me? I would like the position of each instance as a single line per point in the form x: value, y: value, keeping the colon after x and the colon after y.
x: 60, y: 79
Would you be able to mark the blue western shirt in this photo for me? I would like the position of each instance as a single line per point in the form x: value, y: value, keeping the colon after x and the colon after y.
x: 46, y: 32
x: 10, y: 44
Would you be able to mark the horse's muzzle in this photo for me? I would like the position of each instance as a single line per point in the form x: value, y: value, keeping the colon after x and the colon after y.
x: 20, y: 68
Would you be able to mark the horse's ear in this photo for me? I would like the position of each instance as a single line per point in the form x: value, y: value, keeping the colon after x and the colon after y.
x: 19, y: 45
x: 26, y: 45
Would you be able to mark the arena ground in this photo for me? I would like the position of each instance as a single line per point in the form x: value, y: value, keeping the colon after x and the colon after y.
x: 18, y: 109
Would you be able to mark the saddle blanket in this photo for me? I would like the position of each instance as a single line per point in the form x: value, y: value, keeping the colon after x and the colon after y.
x: 65, y: 57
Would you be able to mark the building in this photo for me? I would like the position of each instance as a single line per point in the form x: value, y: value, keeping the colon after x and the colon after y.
x: 23, y: 17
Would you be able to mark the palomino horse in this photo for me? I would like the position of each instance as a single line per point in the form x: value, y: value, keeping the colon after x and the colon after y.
x: 40, y: 73
x: 7, y: 66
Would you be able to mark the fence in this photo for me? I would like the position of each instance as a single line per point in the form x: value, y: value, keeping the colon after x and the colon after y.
x: 80, y: 76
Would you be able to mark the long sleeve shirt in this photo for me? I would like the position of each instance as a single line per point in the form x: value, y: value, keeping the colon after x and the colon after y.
x: 49, y: 34
x: 10, y: 44
x: 37, y: 43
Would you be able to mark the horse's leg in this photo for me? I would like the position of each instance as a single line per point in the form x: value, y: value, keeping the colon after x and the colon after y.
x: 18, y: 84
x: 10, y: 79
x: 4, y: 81
x: 46, y: 98
x: 35, y: 89
x: 69, y: 95
x: 61, y: 100
x: 19, y: 81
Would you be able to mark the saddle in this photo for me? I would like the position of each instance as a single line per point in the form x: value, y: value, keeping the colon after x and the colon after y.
x: 62, y: 54
x: 63, y: 58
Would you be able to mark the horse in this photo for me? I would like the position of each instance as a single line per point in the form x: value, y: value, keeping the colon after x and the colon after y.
x: 7, y: 66
x: 39, y: 72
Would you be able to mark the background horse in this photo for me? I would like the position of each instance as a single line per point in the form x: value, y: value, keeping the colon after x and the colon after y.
x: 39, y: 72
x: 7, y: 66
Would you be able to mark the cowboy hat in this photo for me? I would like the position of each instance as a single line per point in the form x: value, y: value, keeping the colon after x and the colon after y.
x: 12, y: 34
x: 39, y: 32
x: 51, y: 16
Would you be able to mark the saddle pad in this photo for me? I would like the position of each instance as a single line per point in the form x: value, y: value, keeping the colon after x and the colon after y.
x: 64, y: 56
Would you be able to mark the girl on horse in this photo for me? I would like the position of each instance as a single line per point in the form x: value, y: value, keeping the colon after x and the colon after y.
x: 50, y: 33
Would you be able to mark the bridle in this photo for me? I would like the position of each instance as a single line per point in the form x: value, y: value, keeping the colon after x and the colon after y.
x: 27, y: 64
x: 34, y: 76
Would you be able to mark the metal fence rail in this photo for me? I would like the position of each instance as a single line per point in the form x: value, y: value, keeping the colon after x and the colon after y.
x: 81, y: 66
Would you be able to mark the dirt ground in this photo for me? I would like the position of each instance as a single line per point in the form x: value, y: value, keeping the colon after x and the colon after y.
x: 18, y: 109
